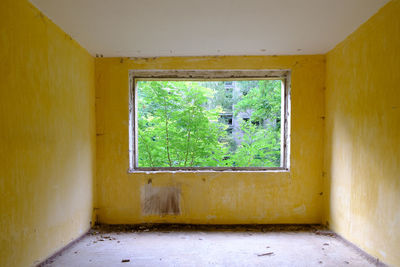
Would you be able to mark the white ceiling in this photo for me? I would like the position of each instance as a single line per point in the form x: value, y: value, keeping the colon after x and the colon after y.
x: 149, y: 28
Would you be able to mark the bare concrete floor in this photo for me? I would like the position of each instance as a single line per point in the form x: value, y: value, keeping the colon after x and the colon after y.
x: 186, y: 246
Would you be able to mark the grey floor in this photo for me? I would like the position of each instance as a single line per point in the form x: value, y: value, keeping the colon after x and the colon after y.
x: 191, y: 246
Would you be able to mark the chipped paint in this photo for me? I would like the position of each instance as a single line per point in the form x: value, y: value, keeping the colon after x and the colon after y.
x: 300, y: 210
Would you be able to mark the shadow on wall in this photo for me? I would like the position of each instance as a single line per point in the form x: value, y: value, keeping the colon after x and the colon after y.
x: 362, y: 166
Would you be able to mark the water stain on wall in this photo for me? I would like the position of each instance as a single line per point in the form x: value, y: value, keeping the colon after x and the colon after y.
x: 160, y: 200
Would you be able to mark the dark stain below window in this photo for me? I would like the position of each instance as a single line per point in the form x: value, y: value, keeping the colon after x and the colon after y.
x: 160, y: 200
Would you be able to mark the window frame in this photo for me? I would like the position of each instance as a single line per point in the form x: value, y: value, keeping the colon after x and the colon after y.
x: 209, y: 75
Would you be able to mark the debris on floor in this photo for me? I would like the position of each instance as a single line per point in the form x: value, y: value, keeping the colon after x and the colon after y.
x: 325, y: 233
x: 266, y: 254
x: 221, y: 245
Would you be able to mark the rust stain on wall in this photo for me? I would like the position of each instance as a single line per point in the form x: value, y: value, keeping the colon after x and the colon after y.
x: 160, y: 200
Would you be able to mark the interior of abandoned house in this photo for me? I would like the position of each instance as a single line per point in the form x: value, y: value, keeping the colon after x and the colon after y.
x: 78, y: 189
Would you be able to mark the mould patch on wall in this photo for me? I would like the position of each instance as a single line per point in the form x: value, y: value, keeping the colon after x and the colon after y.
x: 160, y: 200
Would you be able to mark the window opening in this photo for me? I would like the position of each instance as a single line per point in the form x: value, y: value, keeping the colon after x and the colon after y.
x: 182, y: 122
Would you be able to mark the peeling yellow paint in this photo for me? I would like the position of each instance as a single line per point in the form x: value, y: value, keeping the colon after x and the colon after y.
x: 47, y: 136
x: 362, y: 157
x: 214, y: 197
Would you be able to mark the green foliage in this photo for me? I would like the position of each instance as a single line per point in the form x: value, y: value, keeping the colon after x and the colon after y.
x: 259, y: 148
x: 260, y: 145
x: 264, y: 100
x: 179, y: 126
x: 175, y: 129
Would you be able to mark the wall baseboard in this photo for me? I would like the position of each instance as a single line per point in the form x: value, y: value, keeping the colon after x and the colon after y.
x: 361, y: 252
x: 50, y: 258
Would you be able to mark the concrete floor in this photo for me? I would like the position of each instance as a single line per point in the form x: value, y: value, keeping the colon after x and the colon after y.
x: 183, y: 246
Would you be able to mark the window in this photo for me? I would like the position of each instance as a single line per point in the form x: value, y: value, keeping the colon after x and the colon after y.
x: 209, y: 120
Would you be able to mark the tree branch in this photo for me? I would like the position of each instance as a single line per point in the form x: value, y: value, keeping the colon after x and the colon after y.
x: 188, y: 138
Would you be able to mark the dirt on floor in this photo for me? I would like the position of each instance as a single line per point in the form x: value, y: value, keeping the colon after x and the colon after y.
x: 211, y: 245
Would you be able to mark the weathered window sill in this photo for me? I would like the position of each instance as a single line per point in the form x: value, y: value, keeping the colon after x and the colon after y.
x: 133, y: 171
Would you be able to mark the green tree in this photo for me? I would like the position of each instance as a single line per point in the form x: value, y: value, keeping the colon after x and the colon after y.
x: 264, y: 100
x: 261, y: 139
x: 175, y: 128
x: 179, y: 124
x: 259, y: 147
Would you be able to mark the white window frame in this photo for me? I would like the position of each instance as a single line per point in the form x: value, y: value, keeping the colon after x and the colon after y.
x: 203, y: 75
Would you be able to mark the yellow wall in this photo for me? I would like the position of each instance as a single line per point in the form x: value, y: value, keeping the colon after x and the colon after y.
x: 47, y: 136
x: 272, y: 197
x: 362, y: 158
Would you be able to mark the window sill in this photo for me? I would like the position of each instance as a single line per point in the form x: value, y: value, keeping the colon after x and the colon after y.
x: 280, y: 170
